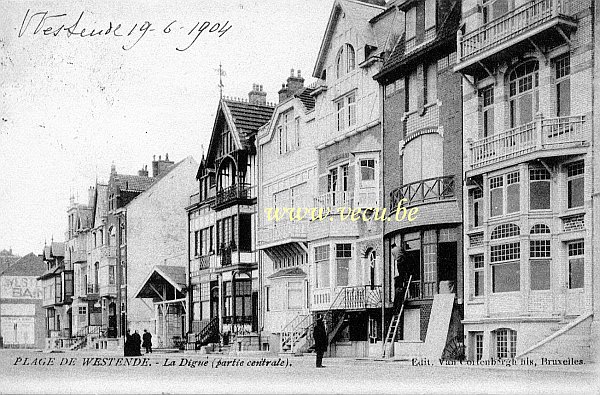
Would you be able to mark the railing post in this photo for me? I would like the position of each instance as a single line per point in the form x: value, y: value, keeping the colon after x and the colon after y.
x: 539, y: 139
x: 459, y: 36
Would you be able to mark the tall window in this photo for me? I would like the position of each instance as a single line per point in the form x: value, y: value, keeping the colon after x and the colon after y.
x: 476, y: 207
x: 430, y: 263
x: 322, y: 265
x: 539, y: 189
x: 478, y: 275
x: 539, y: 264
x: 487, y: 105
x: 430, y: 84
x: 505, y: 192
x: 524, y: 99
x: 478, y: 340
x: 372, y: 267
x: 562, y: 68
x: 367, y: 172
x: 506, y: 270
x: 343, y: 254
x: 111, y: 274
x: 576, y: 267
x: 346, y: 112
x: 575, y: 184
x: 506, y: 343
x: 243, y: 298
x: 287, y: 131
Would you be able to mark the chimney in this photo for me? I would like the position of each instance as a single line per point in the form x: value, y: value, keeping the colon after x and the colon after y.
x: 143, y: 172
x: 160, y: 166
x: 257, y: 95
x: 295, y: 83
x: 283, y: 93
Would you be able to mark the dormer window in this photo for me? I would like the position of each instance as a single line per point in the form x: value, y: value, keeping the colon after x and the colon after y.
x: 345, y: 61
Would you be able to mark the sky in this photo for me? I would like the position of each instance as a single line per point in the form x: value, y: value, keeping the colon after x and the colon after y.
x: 72, y: 104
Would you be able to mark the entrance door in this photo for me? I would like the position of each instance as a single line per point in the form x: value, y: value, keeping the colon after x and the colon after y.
x: 254, y: 311
x: 214, y: 299
x: 112, y: 320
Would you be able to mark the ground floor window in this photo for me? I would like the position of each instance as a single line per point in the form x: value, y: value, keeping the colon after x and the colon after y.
x: 476, y: 345
x: 506, y: 343
x: 576, y: 272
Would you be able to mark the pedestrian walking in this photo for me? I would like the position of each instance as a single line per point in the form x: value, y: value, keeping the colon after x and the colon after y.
x: 137, y: 342
x: 320, y: 336
x: 147, y: 341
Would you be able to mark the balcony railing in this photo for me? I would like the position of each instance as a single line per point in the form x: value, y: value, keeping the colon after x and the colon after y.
x: 230, y: 194
x: 348, y: 298
x: 282, y: 230
x: 538, y: 135
x: 335, y: 199
x: 512, y: 24
x: 424, y: 191
x: 200, y: 263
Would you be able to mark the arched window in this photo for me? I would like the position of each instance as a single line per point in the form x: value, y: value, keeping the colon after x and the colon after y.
x: 345, y: 61
x: 422, y: 158
x: 351, y: 63
x: 523, y: 92
x: 539, y: 229
x: 339, y: 63
x: 505, y: 230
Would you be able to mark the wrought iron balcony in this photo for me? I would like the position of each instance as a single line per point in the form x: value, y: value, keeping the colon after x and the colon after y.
x: 521, y: 24
x: 357, y: 297
x: 424, y: 191
x: 232, y: 194
x: 541, y: 134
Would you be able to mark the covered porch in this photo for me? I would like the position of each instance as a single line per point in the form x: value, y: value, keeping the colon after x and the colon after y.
x: 165, y: 285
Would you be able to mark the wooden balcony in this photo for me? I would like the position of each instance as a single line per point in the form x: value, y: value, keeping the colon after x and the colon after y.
x: 542, y: 137
x: 423, y: 191
x: 536, y: 20
x: 282, y: 232
x: 334, y: 200
x: 358, y: 297
x: 237, y: 193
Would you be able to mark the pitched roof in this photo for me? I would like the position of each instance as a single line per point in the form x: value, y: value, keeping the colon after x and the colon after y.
x: 133, y: 183
x: 248, y: 116
x: 175, y: 273
x: 306, y: 98
x: 289, y: 272
x: 359, y: 13
x: 162, y: 274
x: 445, y: 40
x: 57, y: 248
x: 29, y: 265
x: 50, y: 272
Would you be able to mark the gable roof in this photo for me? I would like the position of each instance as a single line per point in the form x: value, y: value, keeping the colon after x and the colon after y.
x: 445, y: 41
x: 359, y: 13
x: 173, y: 275
x: 29, y: 265
x: 243, y: 118
x: 100, y: 203
x: 127, y: 182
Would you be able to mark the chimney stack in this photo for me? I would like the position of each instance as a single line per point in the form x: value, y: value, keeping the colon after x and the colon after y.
x: 91, y: 193
x: 295, y: 83
x: 160, y: 166
x: 257, y: 95
x: 143, y: 172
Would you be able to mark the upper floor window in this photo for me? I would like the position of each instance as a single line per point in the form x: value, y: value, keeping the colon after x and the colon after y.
x: 430, y: 83
x: 575, y: 184
x: 476, y: 207
x: 539, y: 189
x: 420, y: 23
x: 322, y: 266
x: 345, y: 61
x: 422, y: 158
x: 288, y: 132
x: 562, y: 70
x: 346, y: 112
x: 493, y: 9
x: 576, y: 266
x: 506, y: 267
x: 343, y: 254
x: 523, y: 91
x: 504, y: 193
x: 486, y: 96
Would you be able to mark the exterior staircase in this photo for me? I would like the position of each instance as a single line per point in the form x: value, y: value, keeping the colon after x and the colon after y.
x: 295, y: 334
x: 83, y: 336
x: 209, y: 333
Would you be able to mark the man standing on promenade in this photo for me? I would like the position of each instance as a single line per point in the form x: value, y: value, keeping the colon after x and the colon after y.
x: 320, y: 336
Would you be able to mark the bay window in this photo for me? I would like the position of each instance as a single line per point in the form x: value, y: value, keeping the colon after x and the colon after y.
x: 539, y: 264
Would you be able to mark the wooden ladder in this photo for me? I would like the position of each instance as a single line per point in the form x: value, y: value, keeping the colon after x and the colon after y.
x: 395, y: 322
